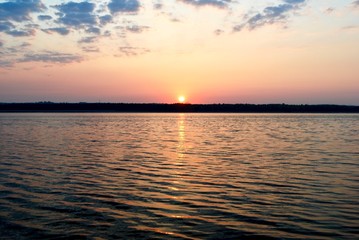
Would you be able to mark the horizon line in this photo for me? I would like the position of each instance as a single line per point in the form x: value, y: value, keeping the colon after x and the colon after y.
x: 185, y: 103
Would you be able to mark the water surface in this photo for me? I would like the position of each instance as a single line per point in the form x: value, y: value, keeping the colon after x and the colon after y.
x: 179, y: 176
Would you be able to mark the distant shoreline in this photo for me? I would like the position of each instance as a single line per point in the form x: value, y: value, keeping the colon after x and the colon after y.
x: 176, y: 108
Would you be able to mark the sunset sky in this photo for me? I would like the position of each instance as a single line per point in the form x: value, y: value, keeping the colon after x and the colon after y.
x: 210, y: 51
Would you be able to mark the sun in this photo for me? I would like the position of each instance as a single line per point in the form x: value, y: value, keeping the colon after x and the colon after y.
x: 181, y: 99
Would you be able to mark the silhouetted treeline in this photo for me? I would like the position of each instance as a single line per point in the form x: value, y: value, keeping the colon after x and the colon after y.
x: 176, y: 107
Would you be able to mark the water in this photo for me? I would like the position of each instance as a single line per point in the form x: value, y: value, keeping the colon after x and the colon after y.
x: 179, y: 176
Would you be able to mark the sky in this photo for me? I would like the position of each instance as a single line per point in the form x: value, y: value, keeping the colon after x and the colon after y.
x: 210, y: 51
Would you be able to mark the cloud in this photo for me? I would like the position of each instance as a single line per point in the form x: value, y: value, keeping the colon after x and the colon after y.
x: 107, y: 33
x: 25, y: 45
x: 6, y: 26
x: 218, y: 32
x: 94, y: 30
x: 356, y: 3
x: 329, y: 10
x: 136, y: 28
x: 60, y: 30
x: 15, y: 50
x: 90, y: 49
x: 51, y: 57
x: 86, y: 20
x: 76, y: 14
x: 13, y: 56
x: 350, y: 27
x: 19, y: 10
x: 271, y: 15
x: 132, y: 51
x: 21, y: 33
x: 123, y: 6
x: 158, y: 6
x: 76, y: 7
x: 6, y: 63
x: 1, y: 43
x: 215, y: 3
x: 88, y: 39
x: 105, y: 19
x: 44, y: 17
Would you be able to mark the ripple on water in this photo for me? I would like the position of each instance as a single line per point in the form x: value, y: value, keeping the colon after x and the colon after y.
x: 178, y: 176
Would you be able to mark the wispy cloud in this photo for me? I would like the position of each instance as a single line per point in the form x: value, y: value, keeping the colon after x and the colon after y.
x: 21, y: 33
x: 136, y: 28
x: 90, y: 49
x: 6, y: 64
x: 14, y: 50
x: 329, y: 10
x: 90, y: 39
x: 6, y: 26
x: 157, y: 6
x: 93, y: 30
x: 44, y: 17
x: 215, y: 3
x: 51, y: 57
x: 350, y: 27
x: 105, y: 19
x: 271, y: 15
x: 60, y: 30
x: 132, y: 51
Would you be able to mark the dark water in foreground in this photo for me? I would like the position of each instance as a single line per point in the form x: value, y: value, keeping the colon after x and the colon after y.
x: 179, y: 176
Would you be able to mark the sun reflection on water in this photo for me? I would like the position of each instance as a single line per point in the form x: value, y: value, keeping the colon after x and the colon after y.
x: 181, y: 136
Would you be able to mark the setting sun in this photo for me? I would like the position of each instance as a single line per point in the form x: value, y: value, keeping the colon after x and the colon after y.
x: 181, y: 99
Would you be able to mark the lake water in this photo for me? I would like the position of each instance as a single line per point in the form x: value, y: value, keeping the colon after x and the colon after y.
x: 179, y: 176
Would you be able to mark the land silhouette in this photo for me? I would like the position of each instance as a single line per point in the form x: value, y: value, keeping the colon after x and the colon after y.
x: 176, y: 107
